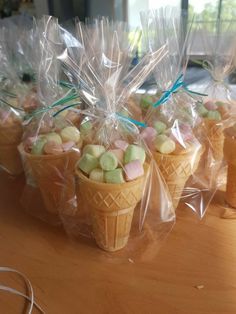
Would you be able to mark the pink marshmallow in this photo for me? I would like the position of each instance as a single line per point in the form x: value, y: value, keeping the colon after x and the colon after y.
x: 210, y: 105
x: 119, y: 153
x: 148, y: 135
x: 52, y: 148
x: 133, y: 170
x: 28, y: 143
x: 67, y: 146
x: 121, y: 144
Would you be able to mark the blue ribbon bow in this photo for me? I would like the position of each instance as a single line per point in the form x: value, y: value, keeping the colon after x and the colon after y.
x: 176, y: 86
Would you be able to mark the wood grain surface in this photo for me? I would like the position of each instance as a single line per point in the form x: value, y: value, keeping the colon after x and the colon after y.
x: 73, y: 278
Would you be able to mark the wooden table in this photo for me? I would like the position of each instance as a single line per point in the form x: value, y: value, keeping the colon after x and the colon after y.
x: 71, y: 278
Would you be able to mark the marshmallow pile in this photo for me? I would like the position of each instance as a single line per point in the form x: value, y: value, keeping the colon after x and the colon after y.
x: 166, y: 141
x: 121, y: 163
x: 212, y: 110
x: 54, y: 143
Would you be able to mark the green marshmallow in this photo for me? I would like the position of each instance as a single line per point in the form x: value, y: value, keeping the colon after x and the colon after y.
x: 114, y: 176
x: 213, y: 115
x: 94, y: 150
x: 160, y: 127
x: 146, y: 102
x: 108, y: 161
x: 220, y: 103
x: 87, y: 163
x: 38, y: 146
x: 164, y: 144
x: 97, y: 175
x: 202, y: 111
x: 70, y: 133
x: 86, y: 127
x: 54, y: 137
x: 134, y: 152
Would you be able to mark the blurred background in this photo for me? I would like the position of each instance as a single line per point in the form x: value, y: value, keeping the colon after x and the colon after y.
x: 211, y: 13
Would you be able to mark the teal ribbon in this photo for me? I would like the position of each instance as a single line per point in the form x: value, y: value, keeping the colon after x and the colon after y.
x: 66, y: 84
x: 130, y: 120
x: 72, y: 95
x: 179, y: 83
x: 11, y: 106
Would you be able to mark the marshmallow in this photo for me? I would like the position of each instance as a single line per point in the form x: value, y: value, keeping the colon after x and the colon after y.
x: 87, y: 163
x: 67, y: 145
x: 114, y: 176
x: 85, y: 127
x: 160, y: 127
x: 146, y: 102
x: 53, y: 137
x: 202, y: 111
x: 37, y: 148
x: 108, y: 161
x: 52, y: 148
x: 210, y: 105
x: 121, y: 144
x: 119, y: 153
x: 97, y: 175
x: 164, y: 144
x: 134, y: 152
x: 148, y: 135
x: 214, y: 115
x: 133, y: 170
x: 94, y: 150
x: 70, y: 133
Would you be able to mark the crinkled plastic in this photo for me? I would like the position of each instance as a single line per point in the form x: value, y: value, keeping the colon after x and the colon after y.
x: 128, y: 218
x: 11, y: 112
x: 51, y: 143
x: 219, y: 49
x: 177, y: 146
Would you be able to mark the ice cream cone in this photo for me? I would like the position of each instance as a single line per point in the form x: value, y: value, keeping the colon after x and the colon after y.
x: 215, y: 134
x: 176, y: 170
x: 10, y: 137
x: 111, y: 207
x: 53, y: 175
x: 230, y: 156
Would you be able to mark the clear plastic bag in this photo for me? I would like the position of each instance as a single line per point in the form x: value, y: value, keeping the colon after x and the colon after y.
x: 51, y: 143
x: 126, y: 210
x: 11, y: 112
x: 173, y: 115
x: 219, y: 50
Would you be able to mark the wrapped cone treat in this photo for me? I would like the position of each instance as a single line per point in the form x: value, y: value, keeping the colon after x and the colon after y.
x: 230, y: 157
x: 214, y: 120
x: 121, y: 197
x: 50, y: 158
x: 177, y: 154
x: 111, y: 200
x: 51, y: 143
x: 171, y: 113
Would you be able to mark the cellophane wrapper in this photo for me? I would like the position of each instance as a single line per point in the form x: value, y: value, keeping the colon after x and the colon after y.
x: 11, y: 111
x: 188, y: 184
x: 47, y: 153
x: 219, y: 49
x: 130, y: 219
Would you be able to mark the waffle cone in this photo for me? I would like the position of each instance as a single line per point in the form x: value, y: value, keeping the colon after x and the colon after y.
x: 176, y: 170
x: 11, y: 134
x: 111, y: 207
x: 230, y: 156
x: 10, y: 159
x: 215, y: 135
x: 10, y: 137
x: 54, y: 177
